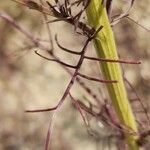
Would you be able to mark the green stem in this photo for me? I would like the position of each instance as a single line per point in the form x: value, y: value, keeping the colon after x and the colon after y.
x: 105, y: 47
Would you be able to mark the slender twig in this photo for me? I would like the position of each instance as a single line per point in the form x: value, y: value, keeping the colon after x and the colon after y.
x: 56, y: 60
x: 54, y: 20
x: 137, y: 23
x: 119, y: 17
x: 95, y: 79
x: 77, y: 104
x: 41, y: 110
x: 138, y: 98
x: 65, y: 49
x: 132, y: 62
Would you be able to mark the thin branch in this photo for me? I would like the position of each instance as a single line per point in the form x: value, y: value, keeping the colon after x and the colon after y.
x: 117, y: 18
x: 77, y: 104
x: 88, y: 110
x: 54, y: 20
x: 97, y: 80
x: 41, y: 110
x: 138, y: 98
x: 56, y: 60
x: 137, y: 23
x: 65, y: 49
x: 113, y: 61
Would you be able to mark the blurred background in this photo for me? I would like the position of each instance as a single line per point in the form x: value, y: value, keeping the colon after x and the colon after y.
x: 28, y: 81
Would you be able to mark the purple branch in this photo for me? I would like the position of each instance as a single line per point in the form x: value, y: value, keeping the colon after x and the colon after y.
x: 97, y: 80
x: 138, y: 98
x: 77, y: 104
x: 56, y: 60
x: 112, y: 60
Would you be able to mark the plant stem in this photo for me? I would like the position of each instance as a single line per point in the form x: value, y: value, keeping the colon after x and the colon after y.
x: 105, y: 47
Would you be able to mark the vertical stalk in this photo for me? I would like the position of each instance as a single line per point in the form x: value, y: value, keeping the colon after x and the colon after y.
x: 105, y: 47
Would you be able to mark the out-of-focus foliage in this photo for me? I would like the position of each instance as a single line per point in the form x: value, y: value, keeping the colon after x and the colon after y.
x: 28, y: 81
